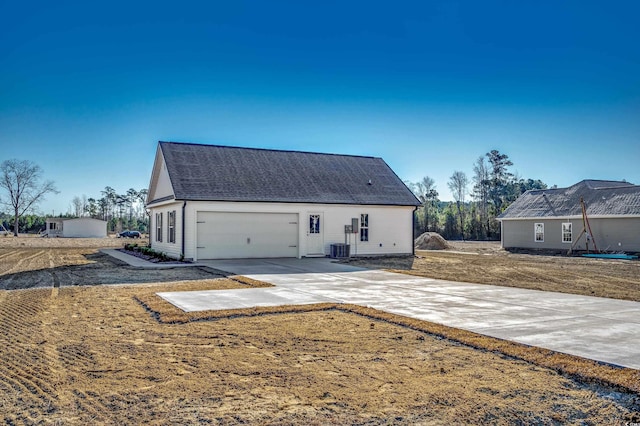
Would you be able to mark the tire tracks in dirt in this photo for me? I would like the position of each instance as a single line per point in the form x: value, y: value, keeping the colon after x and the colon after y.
x: 54, y: 276
x: 25, y: 367
x: 14, y: 264
x: 7, y: 255
x: 35, y: 366
x: 17, y: 267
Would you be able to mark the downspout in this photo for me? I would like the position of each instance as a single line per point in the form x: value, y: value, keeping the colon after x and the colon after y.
x: 184, y: 205
x: 413, y: 227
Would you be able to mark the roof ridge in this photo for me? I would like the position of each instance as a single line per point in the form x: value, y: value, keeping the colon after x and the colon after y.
x: 617, y: 199
x: 589, y: 183
x: 267, y: 149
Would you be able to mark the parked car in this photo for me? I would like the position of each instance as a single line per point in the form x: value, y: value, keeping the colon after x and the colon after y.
x: 129, y: 234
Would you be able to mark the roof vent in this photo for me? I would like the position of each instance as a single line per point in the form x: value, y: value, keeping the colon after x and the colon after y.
x: 369, y: 183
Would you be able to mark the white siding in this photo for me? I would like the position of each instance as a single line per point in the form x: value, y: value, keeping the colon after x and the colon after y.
x: 390, y: 227
x: 54, y: 227
x: 171, y: 249
x: 84, y: 228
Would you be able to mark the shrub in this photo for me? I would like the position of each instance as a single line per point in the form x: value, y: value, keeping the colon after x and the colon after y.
x: 148, y: 251
x: 131, y: 247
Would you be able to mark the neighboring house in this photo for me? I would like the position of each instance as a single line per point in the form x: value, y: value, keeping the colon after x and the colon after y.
x: 552, y: 218
x: 209, y: 201
x: 83, y: 227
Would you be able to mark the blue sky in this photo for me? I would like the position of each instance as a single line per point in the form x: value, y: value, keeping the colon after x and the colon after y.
x: 87, y: 89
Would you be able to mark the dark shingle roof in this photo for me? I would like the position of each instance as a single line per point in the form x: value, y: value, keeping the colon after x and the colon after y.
x: 223, y: 173
x: 601, y: 197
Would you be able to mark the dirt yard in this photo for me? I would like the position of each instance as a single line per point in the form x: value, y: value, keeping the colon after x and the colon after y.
x: 487, y: 263
x: 79, y: 354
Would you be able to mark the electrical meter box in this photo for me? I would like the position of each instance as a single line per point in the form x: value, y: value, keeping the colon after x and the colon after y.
x: 354, y: 225
x: 348, y: 229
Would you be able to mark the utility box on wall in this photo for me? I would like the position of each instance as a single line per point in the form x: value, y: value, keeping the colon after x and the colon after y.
x: 354, y: 225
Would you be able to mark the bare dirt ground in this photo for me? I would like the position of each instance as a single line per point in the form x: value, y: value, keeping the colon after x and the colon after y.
x: 36, y: 241
x: 80, y: 354
x: 487, y: 263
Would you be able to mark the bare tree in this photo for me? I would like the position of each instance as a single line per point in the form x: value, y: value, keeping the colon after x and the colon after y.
x: 78, y: 206
x: 22, y: 181
x: 458, y: 185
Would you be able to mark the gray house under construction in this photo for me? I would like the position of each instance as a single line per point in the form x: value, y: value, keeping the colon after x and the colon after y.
x: 605, y: 215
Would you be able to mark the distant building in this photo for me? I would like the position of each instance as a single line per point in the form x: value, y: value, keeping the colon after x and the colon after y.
x: 83, y: 227
x: 552, y: 218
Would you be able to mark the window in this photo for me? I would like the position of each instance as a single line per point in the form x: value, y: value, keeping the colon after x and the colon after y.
x: 364, y: 227
x: 159, y: 227
x: 52, y: 225
x: 567, y: 234
x: 172, y: 226
x: 538, y: 229
x: 314, y: 223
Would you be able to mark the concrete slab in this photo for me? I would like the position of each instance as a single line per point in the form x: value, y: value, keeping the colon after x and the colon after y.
x: 191, y: 301
x: 286, y: 266
x: 605, y: 330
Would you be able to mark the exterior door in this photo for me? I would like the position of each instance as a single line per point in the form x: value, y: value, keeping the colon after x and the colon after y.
x: 315, y: 234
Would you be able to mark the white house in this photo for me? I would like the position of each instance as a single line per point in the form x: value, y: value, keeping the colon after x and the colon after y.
x: 83, y: 227
x: 210, y: 201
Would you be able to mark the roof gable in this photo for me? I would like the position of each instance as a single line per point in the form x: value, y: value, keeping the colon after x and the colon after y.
x: 602, y: 198
x: 160, y: 187
x: 223, y: 173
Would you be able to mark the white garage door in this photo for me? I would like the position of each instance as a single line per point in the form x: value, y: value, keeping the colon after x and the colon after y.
x: 224, y: 235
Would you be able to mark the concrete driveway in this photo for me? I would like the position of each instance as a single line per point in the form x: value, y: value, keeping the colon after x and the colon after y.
x: 605, y: 330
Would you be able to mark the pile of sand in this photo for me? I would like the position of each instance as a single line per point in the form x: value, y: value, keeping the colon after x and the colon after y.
x: 431, y: 241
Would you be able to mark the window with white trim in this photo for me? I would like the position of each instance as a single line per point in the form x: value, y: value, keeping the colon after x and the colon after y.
x: 364, y: 227
x: 172, y: 226
x: 567, y: 234
x: 159, y: 227
x: 538, y: 231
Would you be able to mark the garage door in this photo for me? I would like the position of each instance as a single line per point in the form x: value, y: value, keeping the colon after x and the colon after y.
x: 224, y: 235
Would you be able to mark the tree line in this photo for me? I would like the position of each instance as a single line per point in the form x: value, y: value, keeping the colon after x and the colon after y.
x: 477, y: 202
x: 121, y: 211
x: 22, y: 189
